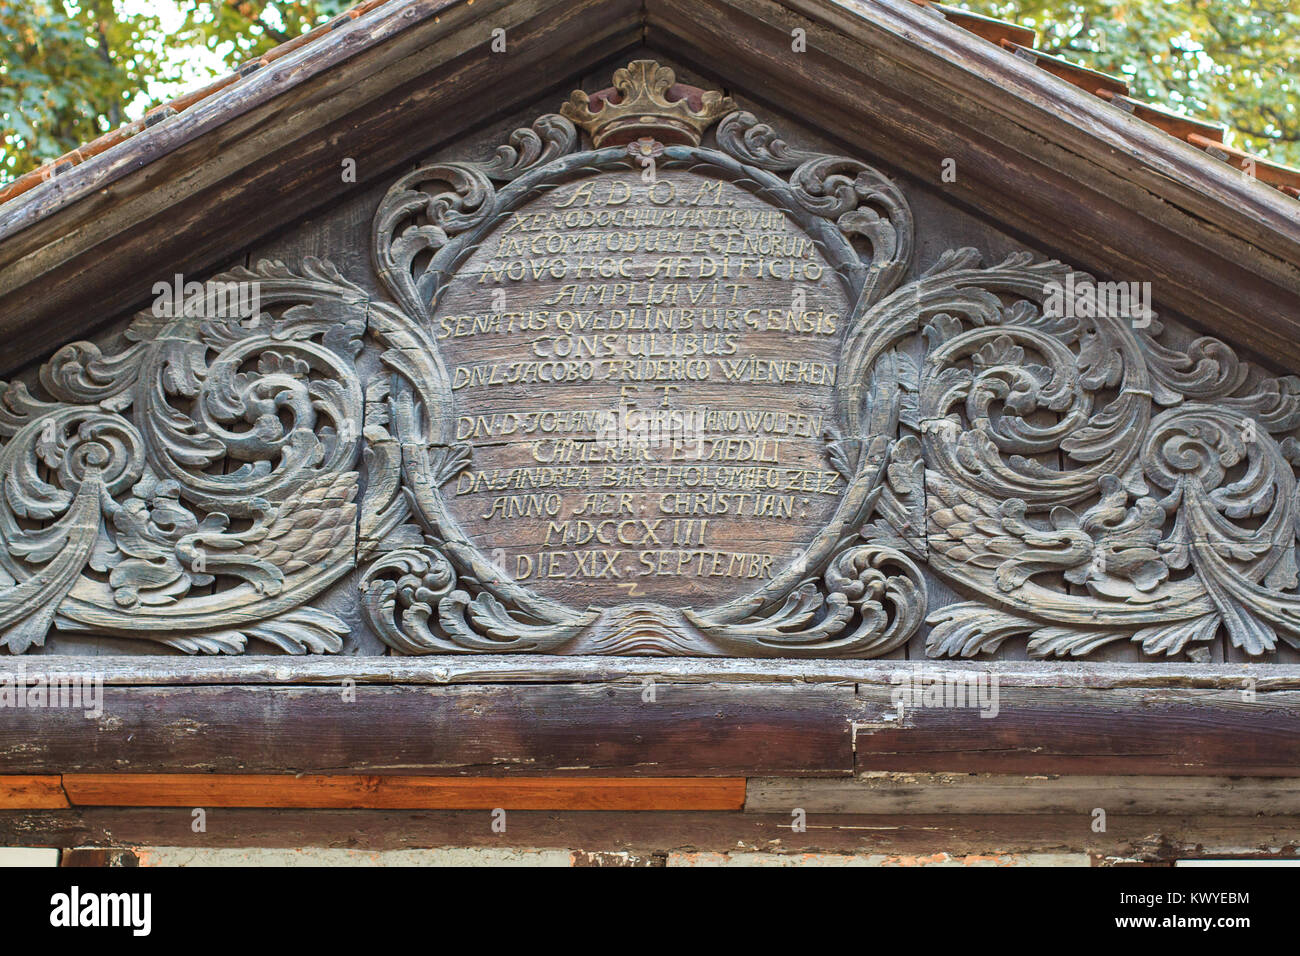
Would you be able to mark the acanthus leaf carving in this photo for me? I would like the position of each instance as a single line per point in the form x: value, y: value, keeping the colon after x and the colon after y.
x: 146, y: 537
x: 1082, y: 479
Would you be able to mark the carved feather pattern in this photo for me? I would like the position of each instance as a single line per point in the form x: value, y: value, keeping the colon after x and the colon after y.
x: 310, y: 524
x: 1084, y: 481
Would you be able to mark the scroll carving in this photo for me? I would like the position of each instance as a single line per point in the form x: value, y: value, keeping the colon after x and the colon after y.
x: 1077, y: 478
x: 197, y: 488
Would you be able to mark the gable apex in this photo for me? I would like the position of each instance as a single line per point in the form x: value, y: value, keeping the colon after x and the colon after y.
x: 1116, y: 186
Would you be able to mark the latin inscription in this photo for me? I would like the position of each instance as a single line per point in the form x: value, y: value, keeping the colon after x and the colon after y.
x: 645, y: 371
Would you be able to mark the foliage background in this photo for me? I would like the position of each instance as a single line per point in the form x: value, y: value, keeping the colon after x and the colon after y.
x: 73, y: 69
x: 1228, y: 61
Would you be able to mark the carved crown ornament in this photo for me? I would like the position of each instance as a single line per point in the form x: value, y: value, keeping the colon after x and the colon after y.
x: 652, y: 397
x: 650, y: 103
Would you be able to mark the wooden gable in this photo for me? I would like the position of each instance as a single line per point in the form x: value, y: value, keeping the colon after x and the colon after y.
x: 924, y: 432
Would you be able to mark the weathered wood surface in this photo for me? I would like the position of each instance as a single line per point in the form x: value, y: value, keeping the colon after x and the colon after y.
x: 1068, y: 469
x: 899, y: 839
x: 874, y: 793
x: 91, y: 857
x: 1123, y: 197
x: 1121, y: 731
x: 985, y: 523
x: 508, y: 669
x: 591, y: 729
x: 31, y: 793
x: 886, y: 76
x: 218, y: 176
x: 893, y: 794
x: 688, y: 729
x: 625, y: 565
x: 653, y: 466
x: 392, y: 792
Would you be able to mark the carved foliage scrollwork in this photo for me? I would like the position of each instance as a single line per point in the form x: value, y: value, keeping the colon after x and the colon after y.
x: 1090, y: 482
x: 845, y: 597
x: 1159, y: 525
x: 197, y: 488
x: 1077, y: 477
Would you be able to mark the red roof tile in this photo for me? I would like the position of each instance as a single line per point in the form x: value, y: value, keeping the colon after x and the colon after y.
x: 1090, y: 81
x: 1175, y: 124
x: 1286, y: 178
x: 995, y: 31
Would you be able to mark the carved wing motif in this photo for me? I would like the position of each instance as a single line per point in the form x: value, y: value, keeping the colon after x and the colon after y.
x: 1079, y: 478
x: 195, y: 488
x: 1020, y: 450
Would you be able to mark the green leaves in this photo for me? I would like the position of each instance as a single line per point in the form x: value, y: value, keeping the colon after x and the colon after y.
x: 1230, y: 61
x: 68, y: 72
x: 71, y: 70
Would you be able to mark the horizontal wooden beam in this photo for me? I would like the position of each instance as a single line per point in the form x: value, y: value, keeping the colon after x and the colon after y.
x: 900, y: 839
x: 635, y: 722
x: 877, y: 793
x: 31, y: 793
x: 886, y: 793
x: 403, y: 792
x: 1060, y: 730
x: 512, y: 669
x: 616, y: 729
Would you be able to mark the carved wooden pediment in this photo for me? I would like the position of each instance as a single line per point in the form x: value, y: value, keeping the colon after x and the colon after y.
x: 665, y: 384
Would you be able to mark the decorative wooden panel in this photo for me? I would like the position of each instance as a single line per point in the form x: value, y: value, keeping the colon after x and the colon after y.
x: 653, y: 397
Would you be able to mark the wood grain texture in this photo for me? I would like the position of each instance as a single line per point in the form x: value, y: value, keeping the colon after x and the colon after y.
x: 1124, y: 197
x: 90, y: 857
x: 31, y: 793
x: 402, y: 792
x: 900, y: 839
x: 513, y: 669
x: 705, y: 729
x: 594, y: 730
x: 557, y: 520
x: 1113, y: 189
x: 889, y: 794
x: 1126, y: 731
x: 1194, y: 619
x: 649, y: 366
x: 1044, y: 450
x: 270, y: 149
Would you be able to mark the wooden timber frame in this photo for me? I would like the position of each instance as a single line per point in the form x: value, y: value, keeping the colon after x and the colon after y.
x: 1169, y: 742
x: 1191, y: 763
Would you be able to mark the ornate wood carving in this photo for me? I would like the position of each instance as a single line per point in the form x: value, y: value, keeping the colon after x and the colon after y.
x: 832, y: 429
